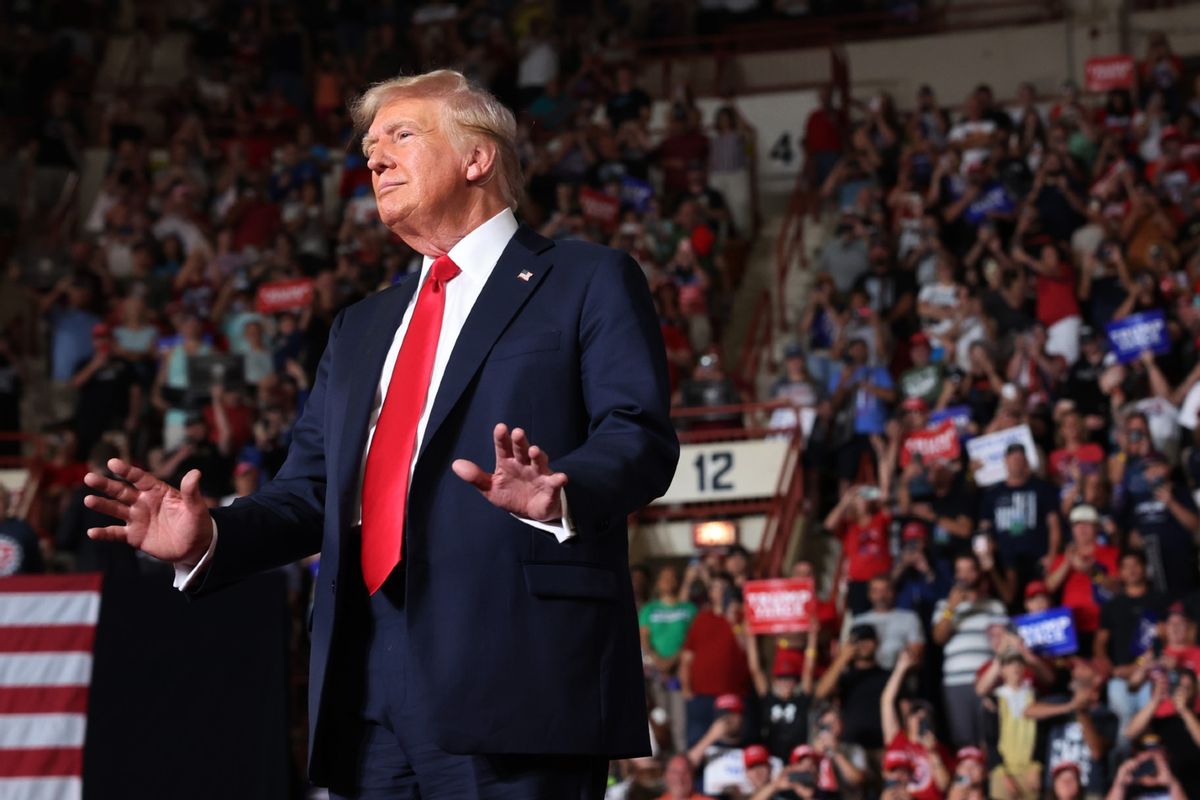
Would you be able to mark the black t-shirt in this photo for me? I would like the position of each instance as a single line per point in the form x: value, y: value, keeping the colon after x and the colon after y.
x: 784, y: 722
x: 1083, y: 386
x: 104, y: 400
x: 1018, y: 516
x: 626, y: 106
x: 1183, y: 755
x: 214, y: 468
x: 860, y: 690
x: 1065, y: 742
x: 1170, y: 548
x: 10, y: 404
x: 1130, y: 622
x: 1008, y: 320
x: 958, y: 501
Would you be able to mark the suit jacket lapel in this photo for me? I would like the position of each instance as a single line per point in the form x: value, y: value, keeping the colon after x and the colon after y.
x: 372, y: 344
x: 514, y: 278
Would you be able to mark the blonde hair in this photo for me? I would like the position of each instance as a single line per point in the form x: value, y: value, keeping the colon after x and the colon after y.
x: 470, y: 110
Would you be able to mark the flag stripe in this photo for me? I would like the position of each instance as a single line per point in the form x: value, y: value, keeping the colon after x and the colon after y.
x: 30, y: 762
x: 44, y: 699
x: 49, y: 608
x: 41, y: 788
x: 45, y: 669
x: 41, y: 730
x: 81, y: 582
x: 47, y: 638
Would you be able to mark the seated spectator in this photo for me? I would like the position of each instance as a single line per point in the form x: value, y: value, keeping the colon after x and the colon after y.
x: 857, y: 680
x: 679, y: 781
x: 708, y: 387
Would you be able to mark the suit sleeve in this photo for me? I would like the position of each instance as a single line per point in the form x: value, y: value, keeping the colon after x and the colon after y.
x: 631, y: 450
x: 283, y: 521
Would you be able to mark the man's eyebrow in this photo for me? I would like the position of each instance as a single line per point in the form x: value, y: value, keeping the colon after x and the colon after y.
x: 388, y: 130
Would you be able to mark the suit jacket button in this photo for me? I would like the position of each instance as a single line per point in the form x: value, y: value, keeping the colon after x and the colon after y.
x: 333, y: 585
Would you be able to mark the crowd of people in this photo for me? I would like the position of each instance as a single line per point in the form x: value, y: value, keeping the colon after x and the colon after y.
x: 999, y: 356
x: 981, y: 265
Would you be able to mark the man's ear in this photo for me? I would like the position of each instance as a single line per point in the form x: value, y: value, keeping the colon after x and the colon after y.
x: 481, y: 161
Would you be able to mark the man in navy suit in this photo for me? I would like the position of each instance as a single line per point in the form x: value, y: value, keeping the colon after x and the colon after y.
x: 473, y: 632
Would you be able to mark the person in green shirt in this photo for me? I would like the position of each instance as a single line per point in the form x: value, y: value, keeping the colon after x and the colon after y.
x: 664, y: 623
x: 924, y: 378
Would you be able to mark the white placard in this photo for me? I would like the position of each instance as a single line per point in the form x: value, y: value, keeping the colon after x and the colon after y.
x: 987, y: 452
x: 715, y: 471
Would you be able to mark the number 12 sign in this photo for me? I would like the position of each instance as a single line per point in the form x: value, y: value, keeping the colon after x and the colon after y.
x: 715, y: 471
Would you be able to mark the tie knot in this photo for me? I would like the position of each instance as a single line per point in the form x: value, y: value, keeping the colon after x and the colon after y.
x: 443, y: 270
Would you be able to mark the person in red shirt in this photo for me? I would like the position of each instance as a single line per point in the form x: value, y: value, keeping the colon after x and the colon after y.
x: 862, y: 526
x: 822, y: 137
x: 1172, y: 175
x: 712, y: 662
x: 1086, y: 574
x: 1057, y: 304
x: 1179, y: 651
x: 1076, y: 457
x: 970, y: 771
x: 929, y: 777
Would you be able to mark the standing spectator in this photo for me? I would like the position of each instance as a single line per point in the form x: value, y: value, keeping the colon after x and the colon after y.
x: 1127, y: 627
x: 1171, y: 717
x: 901, y: 628
x: 712, y: 662
x: 785, y: 701
x: 68, y: 308
x: 914, y: 738
x: 860, y: 394
x: 664, y: 623
x: 538, y: 63
x: 823, y: 137
x: 718, y: 753
x: 1160, y: 516
x: 628, y: 102
x: 1085, y: 573
x: 862, y: 524
x: 729, y: 167
x: 20, y: 550
x: 109, y: 396
x: 1079, y: 730
x: 1057, y: 306
x: 171, y: 385
x: 1146, y: 774
x: 960, y: 625
x: 1022, y: 511
x: 857, y: 680
x: 1008, y: 692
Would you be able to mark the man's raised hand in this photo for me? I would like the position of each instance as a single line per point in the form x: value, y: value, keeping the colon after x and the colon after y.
x: 164, y: 522
x: 522, y: 482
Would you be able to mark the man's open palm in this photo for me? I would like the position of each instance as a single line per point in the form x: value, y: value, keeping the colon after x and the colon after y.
x: 164, y: 522
x: 522, y: 482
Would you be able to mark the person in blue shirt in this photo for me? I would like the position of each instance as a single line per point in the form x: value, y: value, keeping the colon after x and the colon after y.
x: 860, y: 394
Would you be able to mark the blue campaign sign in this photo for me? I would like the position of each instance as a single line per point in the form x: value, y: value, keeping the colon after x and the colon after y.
x: 1128, y: 337
x: 636, y: 193
x: 1048, y: 633
x: 961, y: 415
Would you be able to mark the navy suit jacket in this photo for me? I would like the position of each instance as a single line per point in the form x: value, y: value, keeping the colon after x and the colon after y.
x: 521, y: 644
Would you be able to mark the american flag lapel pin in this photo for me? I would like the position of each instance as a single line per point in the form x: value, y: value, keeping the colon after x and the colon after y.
x: 525, y: 275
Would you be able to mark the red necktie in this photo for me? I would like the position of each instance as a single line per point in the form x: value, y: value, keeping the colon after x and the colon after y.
x: 389, y: 461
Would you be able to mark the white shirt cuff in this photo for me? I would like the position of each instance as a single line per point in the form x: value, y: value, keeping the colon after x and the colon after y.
x: 186, y: 574
x: 563, y: 528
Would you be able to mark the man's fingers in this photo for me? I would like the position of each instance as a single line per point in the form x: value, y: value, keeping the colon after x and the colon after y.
x: 104, y: 505
x: 503, y: 442
x: 189, y: 487
x: 117, y: 490
x: 141, y: 480
x: 520, y: 446
x: 470, y: 472
x: 539, y: 458
x: 113, y: 533
x: 557, y: 480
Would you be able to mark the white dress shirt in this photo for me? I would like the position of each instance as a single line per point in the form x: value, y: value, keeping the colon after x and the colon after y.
x: 475, y: 255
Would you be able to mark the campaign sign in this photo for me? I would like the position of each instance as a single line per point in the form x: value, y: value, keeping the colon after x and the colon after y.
x: 636, y: 193
x: 938, y: 442
x: 284, y: 295
x: 1048, y: 633
x: 599, y: 207
x: 960, y: 415
x: 1145, y: 331
x: 1108, y: 72
x: 987, y: 453
x: 778, y: 605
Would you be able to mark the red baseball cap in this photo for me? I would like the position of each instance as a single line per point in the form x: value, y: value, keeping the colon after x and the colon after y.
x: 1063, y: 766
x: 730, y: 703
x: 101, y: 330
x: 788, y: 664
x: 970, y: 754
x: 913, y: 531
x: 801, y: 752
x: 897, y: 759
x: 915, y: 404
x: 243, y: 468
x: 1035, y: 588
x: 918, y: 338
x: 755, y: 755
x: 1170, y: 132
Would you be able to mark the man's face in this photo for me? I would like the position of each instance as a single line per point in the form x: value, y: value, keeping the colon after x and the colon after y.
x: 1017, y: 464
x: 716, y: 596
x: 1137, y: 437
x: 920, y: 354
x: 758, y: 775
x: 668, y: 582
x: 1084, y: 533
x: 1066, y: 784
x: 864, y: 649
x: 880, y: 594
x: 416, y: 172
x: 1177, y: 630
x: 679, y: 777
x: 965, y: 573
x: 1132, y: 571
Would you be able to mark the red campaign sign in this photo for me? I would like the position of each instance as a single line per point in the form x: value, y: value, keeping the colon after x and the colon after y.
x: 778, y: 605
x: 937, y: 443
x: 1108, y: 72
x: 599, y: 207
x: 284, y: 295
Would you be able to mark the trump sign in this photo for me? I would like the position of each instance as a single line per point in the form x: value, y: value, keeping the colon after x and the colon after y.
x: 778, y: 605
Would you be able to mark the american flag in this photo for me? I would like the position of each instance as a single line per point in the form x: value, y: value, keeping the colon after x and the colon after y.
x: 47, y: 627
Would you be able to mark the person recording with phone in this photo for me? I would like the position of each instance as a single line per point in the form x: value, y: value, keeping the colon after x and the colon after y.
x: 862, y: 523
x: 910, y: 733
x: 1147, y: 775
